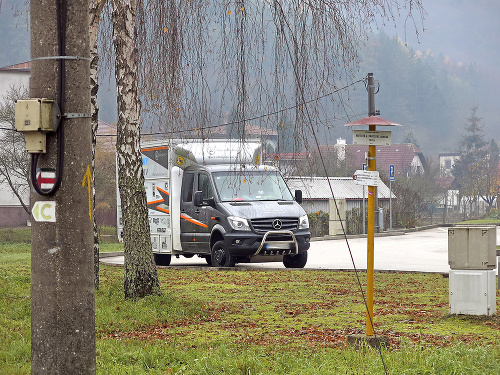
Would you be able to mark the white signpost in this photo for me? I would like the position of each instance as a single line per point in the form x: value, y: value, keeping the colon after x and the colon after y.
x: 371, y: 138
x: 44, y: 211
x: 367, y: 178
x: 391, y: 178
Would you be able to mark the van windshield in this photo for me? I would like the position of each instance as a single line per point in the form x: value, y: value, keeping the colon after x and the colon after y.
x: 251, y: 186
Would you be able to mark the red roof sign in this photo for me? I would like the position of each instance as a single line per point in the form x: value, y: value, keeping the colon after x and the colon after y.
x: 372, y: 120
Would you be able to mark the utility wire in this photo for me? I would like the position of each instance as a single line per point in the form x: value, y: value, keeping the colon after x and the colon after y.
x: 247, y: 119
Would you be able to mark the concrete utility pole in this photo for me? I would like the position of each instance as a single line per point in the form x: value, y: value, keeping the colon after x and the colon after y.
x: 62, y: 273
x: 371, y: 214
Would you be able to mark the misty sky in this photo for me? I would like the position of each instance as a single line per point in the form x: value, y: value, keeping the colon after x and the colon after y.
x: 467, y: 31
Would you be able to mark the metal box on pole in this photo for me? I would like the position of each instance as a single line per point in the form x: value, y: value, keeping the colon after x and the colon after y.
x: 472, y: 292
x: 472, y: 259
x: 472, y: 248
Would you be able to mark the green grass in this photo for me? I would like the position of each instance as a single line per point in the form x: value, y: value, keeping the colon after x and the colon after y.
x: 261, y: 322
x: 15, y: 235
x: 110, y: 247
x: 489, y: 221
x: 108, y: 241
x: 107, y: 235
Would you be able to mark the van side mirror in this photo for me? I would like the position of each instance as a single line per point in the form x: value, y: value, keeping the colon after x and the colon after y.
x: 298, y: 196
x: 198, y: 198
x: 199, y: 201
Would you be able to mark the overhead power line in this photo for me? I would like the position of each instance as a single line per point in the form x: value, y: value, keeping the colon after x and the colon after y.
x: 250, y: 118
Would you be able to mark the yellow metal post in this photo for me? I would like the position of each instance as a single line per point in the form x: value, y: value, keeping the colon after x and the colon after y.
x: 371, y: 242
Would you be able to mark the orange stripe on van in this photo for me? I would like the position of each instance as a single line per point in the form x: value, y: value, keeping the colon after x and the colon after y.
x: 155, y: 148
x: 163, y: 191
x: 158, y: 201
x: 191, y: 220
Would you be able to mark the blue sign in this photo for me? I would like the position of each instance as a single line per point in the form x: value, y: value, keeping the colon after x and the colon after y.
x: 391, y: 172
x: 365, y: 167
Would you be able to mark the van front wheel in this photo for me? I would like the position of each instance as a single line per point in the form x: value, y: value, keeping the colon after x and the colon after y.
x: 295, y: 261
x: 162, y: 259
x: 221, y: 256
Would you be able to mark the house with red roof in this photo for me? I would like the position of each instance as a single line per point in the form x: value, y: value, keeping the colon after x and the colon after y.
x: 14, y: 75
x: 251, y: 131
x: 407, y: 158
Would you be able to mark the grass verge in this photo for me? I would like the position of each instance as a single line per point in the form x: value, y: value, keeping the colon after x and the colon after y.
x: 261, y: 322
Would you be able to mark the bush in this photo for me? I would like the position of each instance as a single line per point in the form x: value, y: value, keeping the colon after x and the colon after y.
x: 318, y: 223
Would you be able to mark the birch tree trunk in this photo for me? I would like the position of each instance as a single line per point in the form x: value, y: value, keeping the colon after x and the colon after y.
x: 140, y: 277
x: 94, y: 15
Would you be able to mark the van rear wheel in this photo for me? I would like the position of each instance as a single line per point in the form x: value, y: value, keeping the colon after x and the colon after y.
x: 295, y: 261
x: 162, y: 259
x: 221, y: 256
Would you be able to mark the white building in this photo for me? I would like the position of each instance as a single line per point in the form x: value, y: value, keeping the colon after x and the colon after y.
x: 11, y: 211
x: 446, y: 162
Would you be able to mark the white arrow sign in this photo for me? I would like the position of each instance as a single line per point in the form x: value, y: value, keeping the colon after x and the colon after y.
x: 44, y: 211
x: 368, y: 178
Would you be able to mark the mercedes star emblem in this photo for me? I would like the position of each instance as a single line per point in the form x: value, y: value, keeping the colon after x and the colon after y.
x: 277, y: 224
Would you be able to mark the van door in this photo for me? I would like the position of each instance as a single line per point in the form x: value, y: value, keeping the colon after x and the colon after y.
x: 187, y: 211
x: 194, y: 228
x: 205, y: 212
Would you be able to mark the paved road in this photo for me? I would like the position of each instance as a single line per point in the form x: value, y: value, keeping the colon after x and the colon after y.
x: 422, y: 251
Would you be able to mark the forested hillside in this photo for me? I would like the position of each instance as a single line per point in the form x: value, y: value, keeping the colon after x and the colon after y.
x: 428, y: 94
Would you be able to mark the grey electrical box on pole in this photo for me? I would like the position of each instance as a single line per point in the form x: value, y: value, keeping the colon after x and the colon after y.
x: 472, y: 248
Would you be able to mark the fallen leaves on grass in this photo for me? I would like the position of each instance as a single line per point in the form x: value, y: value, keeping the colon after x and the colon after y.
x: 314, y: 309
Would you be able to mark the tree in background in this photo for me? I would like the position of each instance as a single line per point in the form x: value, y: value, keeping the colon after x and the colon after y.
x: 489, y: 181
x: 95, y: 9
x: 289, y: 140
x: 470, y: 168
x: 336, y: 163
x: 410, y: 137
x: 261, y: 61
x: 13, y: 157
x: 422, y: 90
x: 416, y: 195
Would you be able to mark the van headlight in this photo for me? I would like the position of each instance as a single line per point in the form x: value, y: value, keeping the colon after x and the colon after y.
x: 303, y: 222
x: 238, y: 223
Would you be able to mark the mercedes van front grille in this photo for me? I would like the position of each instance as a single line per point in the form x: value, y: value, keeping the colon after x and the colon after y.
x: 281, y: 223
